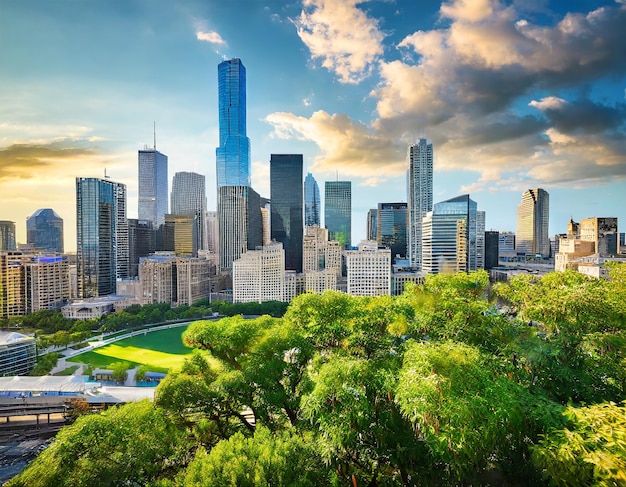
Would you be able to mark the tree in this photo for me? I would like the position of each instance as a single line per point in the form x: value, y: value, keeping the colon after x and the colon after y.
x: 125, y: 445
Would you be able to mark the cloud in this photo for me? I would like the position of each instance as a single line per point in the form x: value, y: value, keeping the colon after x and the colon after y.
x: 346, y: 40
x: 581, y: 115
x: 350, y: 145
x: 210, y: 36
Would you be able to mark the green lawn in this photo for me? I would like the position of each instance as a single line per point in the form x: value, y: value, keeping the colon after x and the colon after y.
x: 163, y: 349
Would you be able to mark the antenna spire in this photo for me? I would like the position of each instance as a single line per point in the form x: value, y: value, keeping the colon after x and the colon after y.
x: 154, y: 128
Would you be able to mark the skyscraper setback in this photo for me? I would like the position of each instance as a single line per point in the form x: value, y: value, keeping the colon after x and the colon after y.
x: 338, y: 211
x: 286, y: 206
x: 152, y: 188
x: 420, y: 197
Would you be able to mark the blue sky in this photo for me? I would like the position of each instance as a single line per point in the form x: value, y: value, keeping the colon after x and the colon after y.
x: 514, y: 95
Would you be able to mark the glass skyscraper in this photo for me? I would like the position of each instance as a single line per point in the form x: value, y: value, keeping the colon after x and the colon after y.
x: 531, y: 236
x: 233, y: 154
x: 152, y: 186
x: 189, y: 198
x: 420, y: 197
x: 392, y: 222
x: 7, y: 235
x: 44, y: 230
x: 338, y: 211
x: 101, y: 236
x: 312, y: 202
x: 286, y: 206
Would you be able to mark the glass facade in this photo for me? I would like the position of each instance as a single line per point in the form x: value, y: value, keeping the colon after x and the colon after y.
x: 153, y: 188
x: 312, y: 202
x: 531, y: 235
x: 233, y: 154
x: 44, y: 230
x: 338, y: 211
x: 286, y: 195
x: 392, y: 222
x: 7, y: 235
x: 18, y: 354
x: 101, y: 236
x: 420, y: 197
x: 189, y: 198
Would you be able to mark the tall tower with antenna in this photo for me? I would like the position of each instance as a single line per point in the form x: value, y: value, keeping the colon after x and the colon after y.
x: 153, y: 184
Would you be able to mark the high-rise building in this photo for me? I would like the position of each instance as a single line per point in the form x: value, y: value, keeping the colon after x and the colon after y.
x: 338, y: 211
x: 152, y: 186
x: 420, y: 197
x: 449, y: 239
x: 233, y: 153
x: 372, y: 224
x: 7, y: 235
x: 141, y: 243
x: 259, y: 275
x: 368, y: 270
x: 189, y: 198
x: 321, y: 260
x: 101, y: 236
x: 312, y: 202
x: 212, y: 232
x: 492, y: 251
x: 392, y: 221
x: 44, y: 230
x: 531, y: 236
x: 603, y: 232
x: 286, y: 206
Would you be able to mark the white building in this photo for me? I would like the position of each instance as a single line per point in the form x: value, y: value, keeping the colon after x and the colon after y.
x: 259, y: 275
x: 321, y: 260
x: 420, y: 196
x: 368, y: 270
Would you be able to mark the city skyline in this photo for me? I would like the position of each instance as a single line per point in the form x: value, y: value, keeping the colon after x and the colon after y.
x: 541, y: 105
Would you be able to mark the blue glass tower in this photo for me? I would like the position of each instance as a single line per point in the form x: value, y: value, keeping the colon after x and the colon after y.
x: 338, y: 211
x: 152, y: 186
x: 44, y: 230
x: 233, y: 154
x: 312, y: 201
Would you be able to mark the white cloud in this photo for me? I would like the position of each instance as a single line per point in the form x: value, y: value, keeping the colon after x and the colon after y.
x: 211, y: 37
x: 548, y: 103
x: 346, y: 40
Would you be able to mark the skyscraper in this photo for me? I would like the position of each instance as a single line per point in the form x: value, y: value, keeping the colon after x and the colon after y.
x: 286, y: 206
x: 101, y: 236
x: 531, y: 236
x: 7, y: 235
x: 44, y: 230
x: 312, y: 202
x: 420, y: 197
x: 338, y: 211
x: 392, y: 221
x: 372, y: 224
x: 189, y: 198
x: 233, y: 154
x: 152, y: 186
x: 141, y: 243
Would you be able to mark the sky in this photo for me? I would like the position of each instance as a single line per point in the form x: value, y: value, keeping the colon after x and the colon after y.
x: 513, y: 95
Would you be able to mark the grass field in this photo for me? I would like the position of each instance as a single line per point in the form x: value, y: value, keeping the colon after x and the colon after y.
x: 162, y: 349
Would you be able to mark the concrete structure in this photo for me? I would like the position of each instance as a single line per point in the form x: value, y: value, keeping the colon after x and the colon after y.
x: 602, y: 231
x: 87, y: 309
x: 286, y: 196
x: 152, y: 186
x: 533, y: 218
x: 32, y: 281
x: 7, y: 235
x: 322, y: 260
x: 101, y: 236
x: 44, y: 230
x: 400, y: 276
x: 338, y: 211
x: 295, y: 283
x: 368, y: 270
x: 259, y: 275
x: 420, y: 196
x: 312, y: 202
x: 18, y: 354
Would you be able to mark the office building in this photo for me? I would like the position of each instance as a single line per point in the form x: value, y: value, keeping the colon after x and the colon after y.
x: 480, y: 239
x: 189, y: 198
x: 233, y: 153
x: 372, y: 224
x: 420, y: 196
x: 152, y: 186
x: 141, y: 243
x: 368, y: 270
x: 7, y: 235
x: 450, y: 240
x: 18, y: 354
x: 44, y: 230
x: 286, y: 196
x: 212, y: 232
x: 602, y: 231
x: 533, y: 213
x: 259, y: 275
x: 321, y: 260
x: 492, y: 249
x: 338, y: 211
x: 312, y: 202
x: 392, y: 221
x: 101, y: 236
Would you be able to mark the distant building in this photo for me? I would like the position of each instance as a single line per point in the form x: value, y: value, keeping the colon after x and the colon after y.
x: 602, y: 231
x: 286, y: 195
x: 401, y: 275
x: 338, y: 211
x: 259, y: 275
x: 189, y: 198
x: 533, y: 218
x: 492, y: 249
x: 18, y: 354
x: 372, y: 224
x: 181, y: 234
x: 7, y: 235
x: 312, y: 202
x: 392, y: 219
x: 152, y: 186
x: 368, y: 270
x: 420, y: 195
x: 321, y: 260
x: 141, y: 243
x: 44, y: 230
